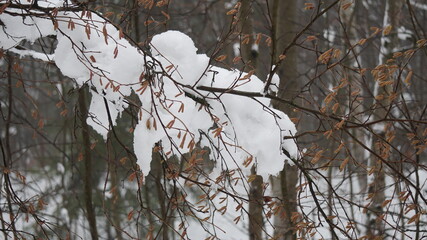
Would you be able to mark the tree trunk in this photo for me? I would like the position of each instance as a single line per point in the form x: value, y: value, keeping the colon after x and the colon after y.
x: 115, y: 201
x: 157, y: 171
x: 249, y: 57
x: 376, y: 187
x: 358, y: 176
x: 284, y: 26
x: 90, y: 211
x: 246, y: 33
x: 255, y: 208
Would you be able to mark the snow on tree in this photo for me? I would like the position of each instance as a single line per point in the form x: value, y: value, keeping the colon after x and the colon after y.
x: 92, y: 51
x: 185, y: 102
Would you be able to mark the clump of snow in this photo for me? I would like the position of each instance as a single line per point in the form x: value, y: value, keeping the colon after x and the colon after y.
x: 248, y: 129
x: 404, y: 34
x: 101, y: 58
x: 236, y: 49
x: 33, y: 54
x: 178, y: 49
x: 274, y: 85
x: 17, y: 28
x: 255, y: 47
x: 53, y: 3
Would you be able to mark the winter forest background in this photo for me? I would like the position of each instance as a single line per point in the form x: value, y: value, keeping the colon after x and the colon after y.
x: 213, y: 119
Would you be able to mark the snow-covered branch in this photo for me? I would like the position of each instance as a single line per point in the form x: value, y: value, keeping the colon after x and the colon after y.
x: 93, y: 51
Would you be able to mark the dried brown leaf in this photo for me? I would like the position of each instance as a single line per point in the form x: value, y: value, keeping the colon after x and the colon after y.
x: 221, y: 58
x: 387, y: 30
